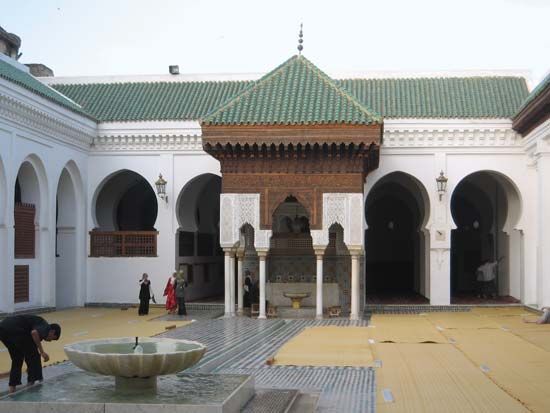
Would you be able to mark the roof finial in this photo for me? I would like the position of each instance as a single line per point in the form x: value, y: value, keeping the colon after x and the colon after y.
x: 300, y: 40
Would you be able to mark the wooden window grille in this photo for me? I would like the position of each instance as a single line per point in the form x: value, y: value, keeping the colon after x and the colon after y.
x: 24, y: 230
x: 21, y: 284
x: 123, y: 243
x: 291, y: 244
x: 206, y: 272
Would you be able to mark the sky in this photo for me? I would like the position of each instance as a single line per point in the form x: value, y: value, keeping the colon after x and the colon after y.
x: 132, y: 37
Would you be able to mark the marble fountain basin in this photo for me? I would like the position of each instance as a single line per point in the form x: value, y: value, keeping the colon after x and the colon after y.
x: 135, y: 369
x: 296, y: 298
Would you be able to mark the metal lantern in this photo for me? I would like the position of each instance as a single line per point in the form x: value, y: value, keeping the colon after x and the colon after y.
x: 441, y: 184
x: 161, y: 188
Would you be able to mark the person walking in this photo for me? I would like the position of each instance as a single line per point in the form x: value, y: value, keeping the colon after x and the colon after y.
x: 144, y: 294
x: 170, y: 294
x: 22, y: 335
x: 181, y: 284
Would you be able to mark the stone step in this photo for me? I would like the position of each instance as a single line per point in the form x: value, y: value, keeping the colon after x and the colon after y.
x: 271, y: 401
x: 411, y: 308
x: 304, y: 403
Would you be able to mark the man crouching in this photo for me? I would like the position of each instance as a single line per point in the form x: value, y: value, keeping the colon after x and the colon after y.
x: 22, y: 335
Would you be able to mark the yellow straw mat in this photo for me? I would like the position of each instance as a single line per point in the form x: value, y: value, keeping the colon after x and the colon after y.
x: 460, y: 320
x: 327, y: 346
x: 435, y: 378
x: 520, y: 368
x: 89, y: 323
x: 404, y: 329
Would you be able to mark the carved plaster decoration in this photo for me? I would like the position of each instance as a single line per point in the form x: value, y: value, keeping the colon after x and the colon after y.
x: 334, y: 210
x: 356, y: 218
x: 400, y: 137
x: 237, y: 210
x: 346, y: 210
x: 262, y: 238
x: 319, y: 237
x: 440, y: 256
x: 226, y: 217
x: 247, y: 212
x: 42, y: 122
x: 148, y: 143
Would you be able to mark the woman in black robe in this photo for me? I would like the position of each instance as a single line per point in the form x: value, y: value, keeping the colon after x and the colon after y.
x: 247, y: 291
x: 144, y: 294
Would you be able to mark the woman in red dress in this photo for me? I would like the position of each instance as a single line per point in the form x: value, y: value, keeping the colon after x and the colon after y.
x: 170, y: 294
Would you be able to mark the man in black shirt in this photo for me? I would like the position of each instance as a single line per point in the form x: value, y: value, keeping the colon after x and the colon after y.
x: 22, y: 335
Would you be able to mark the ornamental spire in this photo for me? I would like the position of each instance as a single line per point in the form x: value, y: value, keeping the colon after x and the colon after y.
x: 300, y: 40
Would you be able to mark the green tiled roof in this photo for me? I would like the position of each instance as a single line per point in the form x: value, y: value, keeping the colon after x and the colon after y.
x: 473, y: 97
x: 535, y: 92
x: 295, y: 93
x: 26, y: 80
x: 143, y: 101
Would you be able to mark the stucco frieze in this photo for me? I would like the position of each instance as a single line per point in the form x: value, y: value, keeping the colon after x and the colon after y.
x: 44, y: 123
x: 147, y: 142
x: 451, y: 137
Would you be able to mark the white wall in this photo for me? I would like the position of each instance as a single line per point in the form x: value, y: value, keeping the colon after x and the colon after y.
x: 46, y: 138
x: 423, y: 148
x: 115, y: 280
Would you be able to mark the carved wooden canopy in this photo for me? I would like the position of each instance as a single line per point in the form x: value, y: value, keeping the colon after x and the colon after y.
x: 303, y: 161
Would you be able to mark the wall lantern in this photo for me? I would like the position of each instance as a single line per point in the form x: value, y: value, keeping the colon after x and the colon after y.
x: 161, y: 188
x: 441, y: 184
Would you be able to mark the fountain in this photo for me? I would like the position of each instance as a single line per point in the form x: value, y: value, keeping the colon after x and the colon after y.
x: 147, y: 377
x: 135, y: 365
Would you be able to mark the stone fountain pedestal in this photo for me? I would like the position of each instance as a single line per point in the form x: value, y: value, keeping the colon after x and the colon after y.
x: 81, y: 392
x: 122, y: 376
x: 135, y: 384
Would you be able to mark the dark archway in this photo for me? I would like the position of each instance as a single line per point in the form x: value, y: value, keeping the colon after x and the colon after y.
x: 66, y: 282
x: 291, y: 255
x: 395, y: 252
x: 197, y: 240
x: 337, y: 266
x: 126, y: 202
x: 30, y: 213
x: 484, y: 206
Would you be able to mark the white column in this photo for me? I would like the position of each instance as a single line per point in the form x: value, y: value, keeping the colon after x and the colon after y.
x: 543, y: 278
x: 319, y: 297
x: 354, y: 286
x: 262, y: 256
x: 6, y: 267
x: 232, y: 285
x: 240, y: 257
x: 227, y: 287
x: 440, y: 276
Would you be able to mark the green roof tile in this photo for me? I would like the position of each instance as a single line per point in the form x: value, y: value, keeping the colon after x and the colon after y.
x: 145, y: 101
x: 473, y: 97
x: 295, y: 93
x: 29, y: 82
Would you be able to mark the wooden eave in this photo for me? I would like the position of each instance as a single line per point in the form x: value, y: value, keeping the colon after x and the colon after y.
x: 534, y: 114
x: 346, y: 134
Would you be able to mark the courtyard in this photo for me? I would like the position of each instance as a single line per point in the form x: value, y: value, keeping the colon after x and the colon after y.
x: 485, y: 359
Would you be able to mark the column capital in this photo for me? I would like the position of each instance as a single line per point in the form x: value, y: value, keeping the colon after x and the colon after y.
x: 319, y: 250
x: 356, y: 252
x: 262, y: 253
